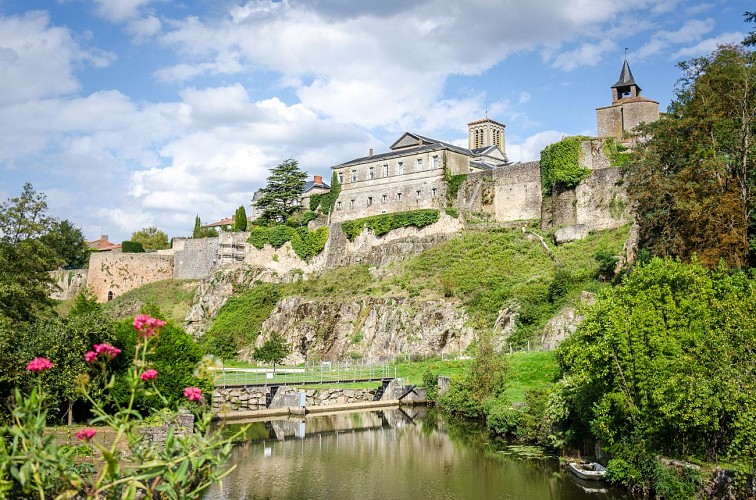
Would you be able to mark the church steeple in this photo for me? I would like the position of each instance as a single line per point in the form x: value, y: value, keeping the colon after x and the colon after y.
x: 625, y: 86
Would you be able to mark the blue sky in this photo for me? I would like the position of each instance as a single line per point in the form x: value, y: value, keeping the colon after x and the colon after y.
x: 133, y: 113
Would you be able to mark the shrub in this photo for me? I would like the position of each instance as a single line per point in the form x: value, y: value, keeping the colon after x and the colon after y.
x: 132, y: 247
x: 430, y: 382
x: 382, y: 224
x: 305, y: 243
x: 560, y: 164
x: 607, y: 262
x: 452, y: 212
x: 501, y: 417
x: 453, y: 183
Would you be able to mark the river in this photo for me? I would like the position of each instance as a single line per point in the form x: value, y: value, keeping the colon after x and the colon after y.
x: 393, y: 454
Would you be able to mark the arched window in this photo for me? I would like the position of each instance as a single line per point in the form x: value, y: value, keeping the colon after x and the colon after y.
x: 110, y: 296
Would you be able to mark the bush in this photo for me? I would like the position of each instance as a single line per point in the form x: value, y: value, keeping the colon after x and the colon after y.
x: 560, y: 164
x: 132, y: 247
x: 305, y: 243
x: 382, y: 224
x: 501, y: 417
x: 452, y: 212
x: 607, y: 264
x: 430, y: 382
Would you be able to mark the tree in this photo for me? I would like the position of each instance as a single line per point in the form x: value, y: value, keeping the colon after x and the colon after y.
x: 750, y: 39
x: 692, y: 182
x: 664, y: 364
x: 281, y: 197
x: 68, y: 242
x: 203, y: 232
x: 240, y: 219
x: 151, y: 238
x: 273, y: 350
x: 25, y: 260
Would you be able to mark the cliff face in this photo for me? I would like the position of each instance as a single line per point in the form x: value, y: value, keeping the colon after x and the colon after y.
x: 371, y: 328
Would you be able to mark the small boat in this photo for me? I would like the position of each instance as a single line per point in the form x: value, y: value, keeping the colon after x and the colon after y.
x: 589, y: 472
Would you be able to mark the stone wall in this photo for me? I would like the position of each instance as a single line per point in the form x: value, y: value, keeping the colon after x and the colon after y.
x: 194, y: 258
x: 117, y: 273
x: 234, y: 399
x: 506, y: 194
x: 68, y: 283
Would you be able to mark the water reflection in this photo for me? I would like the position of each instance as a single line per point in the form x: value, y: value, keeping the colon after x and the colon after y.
x: 395, y: 454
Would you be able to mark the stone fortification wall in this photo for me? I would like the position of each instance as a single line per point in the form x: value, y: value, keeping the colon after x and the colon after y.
x: 599, y: 202
x: 68, y: 283
x: 194, y: 258
x: 506, y: 194
x: 117, y: 273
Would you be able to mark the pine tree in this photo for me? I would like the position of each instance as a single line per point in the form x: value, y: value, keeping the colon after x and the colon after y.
x: 240, y: 219
x: 281, y: 197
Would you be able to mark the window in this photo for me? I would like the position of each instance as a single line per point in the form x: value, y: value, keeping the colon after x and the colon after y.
x: 384, y: 199
x: 338, y: 205
x: 400, y: 168
x: 433, y: 192
x: 385, y: 170
x: 419, y: 164
x: 435, y: 161
x: 417, y: 194
x: 351, y: 203
x: 370, y: 200
x: 371, y: 173
x: 341, y: 177
x: 398, y: 196
x: 354, y: 176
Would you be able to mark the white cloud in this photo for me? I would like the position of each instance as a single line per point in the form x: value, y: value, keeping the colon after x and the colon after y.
x: 660, y: 41
x: 143, y: 29
x: 707, y: 46
x: 119, y: 10
x: 530, y: 149
x: 588, y: 54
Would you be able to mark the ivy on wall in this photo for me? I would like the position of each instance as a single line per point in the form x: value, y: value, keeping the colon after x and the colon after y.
x: 560, y: 164
x: 382, y: 224
x: 617, y: 153
x: 305, y: 243
x: 326, y: 201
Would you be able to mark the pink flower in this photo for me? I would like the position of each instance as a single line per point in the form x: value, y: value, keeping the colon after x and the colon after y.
x: 106, y: 349
x: 39, y: 365
x: 90, y: 356
x: 86, y: 434
x: 148, y: 326
x: 193, y: 393
x: 149, y: 375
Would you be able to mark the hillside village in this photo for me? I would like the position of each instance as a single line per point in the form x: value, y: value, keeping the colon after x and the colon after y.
x: 413, y: 175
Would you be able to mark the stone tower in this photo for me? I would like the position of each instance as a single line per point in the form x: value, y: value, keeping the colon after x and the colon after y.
x: 486, y: 133
x: 628, y: 109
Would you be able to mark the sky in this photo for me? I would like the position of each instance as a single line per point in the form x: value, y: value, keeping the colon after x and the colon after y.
x: 137, y: 113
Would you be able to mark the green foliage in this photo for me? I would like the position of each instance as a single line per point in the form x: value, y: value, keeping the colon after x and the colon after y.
x: 68, y: 243
x: 240, y: 219
x: 305, y: 243
x: 151, y: 238
x: 239, y: 320
x: 616, y: 152
x: 174, y: 297
x: 132, y: 247
x: 328, y: 200
x: 663, y: 364
x: 84, y: 303
x: 430, y: 382
x: 560, y: 164
x: 308, y: 216
x: 315, y: 201
x: 273, y: 350
x: 203, y: 232
x: 453, y: 183
x: 698, y: 166
x: 173, y: 353
x: 607, y: 263
x: 280, y: 197
x: 452, y: 212
x: 382, y: 224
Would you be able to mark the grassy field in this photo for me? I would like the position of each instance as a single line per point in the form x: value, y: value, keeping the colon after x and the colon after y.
x: 173, y: 297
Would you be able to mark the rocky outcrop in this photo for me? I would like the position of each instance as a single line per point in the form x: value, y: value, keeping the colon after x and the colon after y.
x: 565, y: 323
x: 213, y: 292
x: 374, y: 329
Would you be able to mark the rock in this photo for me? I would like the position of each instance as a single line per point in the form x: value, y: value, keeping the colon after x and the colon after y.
x: 564, y: 324
x: 570, y: 233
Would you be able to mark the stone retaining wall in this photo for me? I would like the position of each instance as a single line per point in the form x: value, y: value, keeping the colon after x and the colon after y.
x: 233, y: 399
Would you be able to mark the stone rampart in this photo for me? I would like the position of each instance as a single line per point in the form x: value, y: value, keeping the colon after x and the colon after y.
x: 68, y: 283
x: 506, y: 194
x: 194, y: 258
x: 234, y: 399
x: 113, y: 273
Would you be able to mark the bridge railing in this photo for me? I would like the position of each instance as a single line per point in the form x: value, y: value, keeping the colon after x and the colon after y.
x: 321, y: 373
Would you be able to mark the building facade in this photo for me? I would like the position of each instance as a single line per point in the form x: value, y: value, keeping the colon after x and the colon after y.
x: 411, y: 175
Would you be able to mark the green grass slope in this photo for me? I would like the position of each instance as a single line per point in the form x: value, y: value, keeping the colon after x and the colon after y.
x: 173, y: 297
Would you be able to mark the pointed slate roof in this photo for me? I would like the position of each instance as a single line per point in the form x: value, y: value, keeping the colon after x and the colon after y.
x: 626, y: 77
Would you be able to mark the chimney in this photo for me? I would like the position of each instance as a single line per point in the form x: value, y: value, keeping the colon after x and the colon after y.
x: 318, y: 179
x: 370, y: 153
x: 104, y: 237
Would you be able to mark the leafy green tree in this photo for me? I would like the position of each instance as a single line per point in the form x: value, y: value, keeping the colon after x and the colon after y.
x: 151, y: 238
x: 203, y: 232
x: 273, y: 350
x: 68, y: 243
x: 692, y: 181
x: 25, y: 260
x: 281, y: 196
x: 240, y: 219
x: 750, y: 39
x: 664, y: 364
